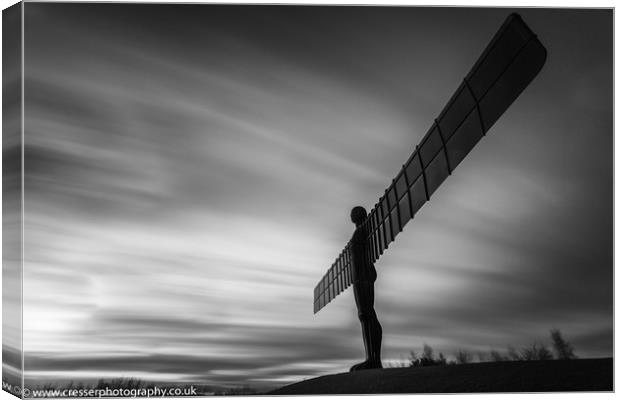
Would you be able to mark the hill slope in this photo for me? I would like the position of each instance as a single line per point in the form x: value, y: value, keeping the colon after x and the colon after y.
x: 511, y: 376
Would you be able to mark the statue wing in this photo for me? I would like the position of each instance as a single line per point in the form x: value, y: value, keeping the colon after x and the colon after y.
x: 506, y: 67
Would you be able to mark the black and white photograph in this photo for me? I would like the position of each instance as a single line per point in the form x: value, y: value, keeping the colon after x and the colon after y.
x: 306, y: 199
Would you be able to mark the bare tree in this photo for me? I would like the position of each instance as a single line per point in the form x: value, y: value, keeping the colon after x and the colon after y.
x: 428, y: 352
x: 414, y: 361
x: 496, y: 356
x: 544, y: 353
x: 428, y: 357
x: 535, y: 352
x: 563, y: 349
x: 463, y: 357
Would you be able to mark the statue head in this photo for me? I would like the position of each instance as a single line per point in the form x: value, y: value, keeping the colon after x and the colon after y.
x: 358, y: 215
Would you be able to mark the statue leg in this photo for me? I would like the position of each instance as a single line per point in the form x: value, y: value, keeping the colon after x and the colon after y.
x: 375, y: 332
x: 371, y: 329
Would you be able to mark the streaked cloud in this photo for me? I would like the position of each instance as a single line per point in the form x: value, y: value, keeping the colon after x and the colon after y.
x: 190, y: 169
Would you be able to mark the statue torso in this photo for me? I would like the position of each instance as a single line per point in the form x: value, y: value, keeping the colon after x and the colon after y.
x: 363, y: 268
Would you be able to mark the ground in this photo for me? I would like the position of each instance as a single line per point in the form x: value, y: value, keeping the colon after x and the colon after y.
x: 510, y: 376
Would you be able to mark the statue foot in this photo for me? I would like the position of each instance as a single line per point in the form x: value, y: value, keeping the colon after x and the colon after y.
x: 368, y: 364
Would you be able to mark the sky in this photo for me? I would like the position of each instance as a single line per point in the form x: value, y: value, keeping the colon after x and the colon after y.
x: 190, y: 169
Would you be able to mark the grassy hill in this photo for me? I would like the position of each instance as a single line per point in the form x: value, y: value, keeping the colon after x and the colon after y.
x: 509, y: 376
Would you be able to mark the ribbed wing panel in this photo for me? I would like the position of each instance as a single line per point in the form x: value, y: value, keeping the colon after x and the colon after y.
x: 337, y: 279
x: 506, y: 67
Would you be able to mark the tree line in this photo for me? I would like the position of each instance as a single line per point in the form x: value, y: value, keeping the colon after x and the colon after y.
x: 560, y: 350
